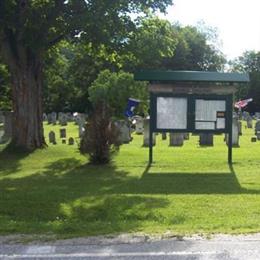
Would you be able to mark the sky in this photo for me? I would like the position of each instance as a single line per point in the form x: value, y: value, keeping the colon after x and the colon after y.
x: 237, y: 21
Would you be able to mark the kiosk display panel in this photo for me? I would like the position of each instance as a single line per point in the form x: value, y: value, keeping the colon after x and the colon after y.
x: 210, y: 114
x: 171, y: 113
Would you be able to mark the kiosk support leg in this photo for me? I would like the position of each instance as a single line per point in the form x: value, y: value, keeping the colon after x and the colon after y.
x: 150, y: 144
x: 230, y: 147
x: 230, y: 132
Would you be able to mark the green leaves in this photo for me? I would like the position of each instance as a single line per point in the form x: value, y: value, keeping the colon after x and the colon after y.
x: 115, y: 89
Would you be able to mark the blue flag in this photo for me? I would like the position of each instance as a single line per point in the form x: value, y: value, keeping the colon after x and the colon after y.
x: 131, y: 105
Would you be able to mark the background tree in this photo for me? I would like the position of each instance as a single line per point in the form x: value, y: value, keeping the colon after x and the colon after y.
x: 28, y: 28
x: 115, y: 89
x: 194, y: 52
x: 147, y: 47
x: 249, y: 62
x: 58, y: 92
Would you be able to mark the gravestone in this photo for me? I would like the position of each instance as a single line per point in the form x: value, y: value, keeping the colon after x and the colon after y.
x: 235, y: 133
x: 206, y: 139
x: 79, y: 118
x: 54, y: 118
x: 62, y: 119
x: 257, y: 115
x: 44, y: 117
x: 257, y: 129
x: 146, y: 134
x: 71, y: 141
x: 63, y: 133
x: 124, y: 131
x: 8, y: 128
x: 81, y: 130
x: 176, y: 139
x: 139, y: 126
x: 245, y: 115
x: 52, y: 138
x: 239, y: 127
x: 49, y: 119
x: 69, y: 117
x: 249, y: 122
x: 164, y: 136
x: 63, y: 141
x: 186, y: 136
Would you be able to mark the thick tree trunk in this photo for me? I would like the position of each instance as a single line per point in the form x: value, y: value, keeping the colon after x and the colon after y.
x: 25, y: 65
x: 27, y: 106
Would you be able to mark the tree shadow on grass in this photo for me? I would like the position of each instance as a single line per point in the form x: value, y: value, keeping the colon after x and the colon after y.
x: 153, y: 182
x: 10, y: 160
x: 71, y: 199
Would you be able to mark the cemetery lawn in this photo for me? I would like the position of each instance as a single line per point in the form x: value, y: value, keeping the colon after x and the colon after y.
x: 187, y: 190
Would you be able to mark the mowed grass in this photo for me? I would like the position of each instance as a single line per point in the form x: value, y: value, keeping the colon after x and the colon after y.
x: 187, y: 190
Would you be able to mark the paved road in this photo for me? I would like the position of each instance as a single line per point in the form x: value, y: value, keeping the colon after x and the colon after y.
x: 218, y: 248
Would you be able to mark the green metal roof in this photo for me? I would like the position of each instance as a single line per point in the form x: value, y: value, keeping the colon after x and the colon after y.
x: 191, y: 76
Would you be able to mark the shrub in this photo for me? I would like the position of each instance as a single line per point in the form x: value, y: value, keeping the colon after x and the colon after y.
x: 100, y: 139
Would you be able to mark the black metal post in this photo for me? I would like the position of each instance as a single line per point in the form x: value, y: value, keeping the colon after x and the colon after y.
x: 230, y: 127
x: 151, y: 128
x: 230, y: 147
x: 150, y: 143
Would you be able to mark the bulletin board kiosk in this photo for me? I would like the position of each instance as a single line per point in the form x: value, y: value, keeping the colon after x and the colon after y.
x: 191, y: 101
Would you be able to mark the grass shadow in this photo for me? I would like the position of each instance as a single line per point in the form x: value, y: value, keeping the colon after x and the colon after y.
x: 69, y: 198
x: 10, y: 160
x: 72, y: 199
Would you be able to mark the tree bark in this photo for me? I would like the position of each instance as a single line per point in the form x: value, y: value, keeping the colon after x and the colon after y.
x: 27, y: 106
x: 26, y: 73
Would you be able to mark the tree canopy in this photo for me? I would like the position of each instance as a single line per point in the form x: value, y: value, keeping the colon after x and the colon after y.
x: 115, y: 89
x: 29, y: 28
x: 249, y: 62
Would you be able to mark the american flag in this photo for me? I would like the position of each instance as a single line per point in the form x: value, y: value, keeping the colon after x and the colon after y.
x: 243, y: 103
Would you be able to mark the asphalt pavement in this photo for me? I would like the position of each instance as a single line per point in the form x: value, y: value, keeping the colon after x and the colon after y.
x: 219, y: 247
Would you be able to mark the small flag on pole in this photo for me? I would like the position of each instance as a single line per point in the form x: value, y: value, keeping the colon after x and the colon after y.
x: 131, y: 105
x: 243, y: 103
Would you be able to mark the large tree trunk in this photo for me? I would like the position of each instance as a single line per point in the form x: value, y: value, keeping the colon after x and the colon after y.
x: 26, y: 72
x: 27, y: 106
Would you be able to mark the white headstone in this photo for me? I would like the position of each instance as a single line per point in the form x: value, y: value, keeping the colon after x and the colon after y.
x: 139, y: 125
x: 147, y: 132
x: 235, y: 133
x: 257, y: 129
x: 124, y: 131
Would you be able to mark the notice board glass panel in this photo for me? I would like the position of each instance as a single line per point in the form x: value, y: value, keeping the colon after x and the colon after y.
x: 172, y: 113
x: 210, y: 114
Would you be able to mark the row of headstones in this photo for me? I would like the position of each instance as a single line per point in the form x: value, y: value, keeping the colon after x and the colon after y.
x: 123, y: 126
x: 246, y: 115
x: 63, y: 118
x: 80, y: 120
x: 6, y: 120
x: 142, y: 126
x: 176, y: 139
x: 205, y: 139
x: 249, y: 124
x: 63, y: 136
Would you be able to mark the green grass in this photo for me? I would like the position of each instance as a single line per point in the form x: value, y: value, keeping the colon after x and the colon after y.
x: 187, y: 190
